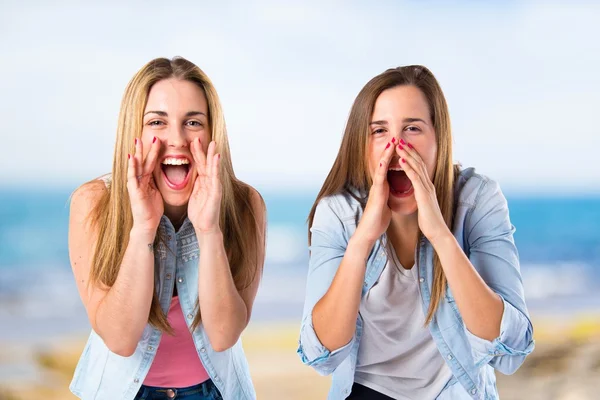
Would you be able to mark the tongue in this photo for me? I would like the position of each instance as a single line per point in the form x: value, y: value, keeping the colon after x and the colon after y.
x: 175, y: 173
x: 398, y: 181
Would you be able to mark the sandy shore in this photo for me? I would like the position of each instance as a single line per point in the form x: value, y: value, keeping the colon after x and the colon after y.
x: 564, y: 366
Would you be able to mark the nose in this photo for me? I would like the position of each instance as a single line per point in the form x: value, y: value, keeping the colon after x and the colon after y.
x: 176, y: 137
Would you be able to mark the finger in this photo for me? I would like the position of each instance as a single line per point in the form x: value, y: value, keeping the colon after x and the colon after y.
x: 412, y: 152
x: 138, y: 156
x: 199, y: 156
x: 152, y: 157
x: 412, y: 174
x: 131, y: 173
x: 381, y: 173
x: 197, y: 185
x: 410, y: 159
x: 215, y: 169
x: 210, y: 158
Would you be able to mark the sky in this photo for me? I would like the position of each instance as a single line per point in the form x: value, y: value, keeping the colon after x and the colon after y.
x: 521, y: 80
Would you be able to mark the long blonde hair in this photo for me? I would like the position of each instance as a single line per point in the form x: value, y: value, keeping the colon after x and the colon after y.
x: 350, y: 171
x: 112, y: 215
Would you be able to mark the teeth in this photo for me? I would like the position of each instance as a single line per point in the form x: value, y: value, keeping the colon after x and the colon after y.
x: 395, y: 169
x: 175, y: 161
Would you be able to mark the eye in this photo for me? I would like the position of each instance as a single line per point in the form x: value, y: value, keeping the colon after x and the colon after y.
x: 412, y: 128
x: 155, y: 123
x: 378, y: 131
x: 194, y: 123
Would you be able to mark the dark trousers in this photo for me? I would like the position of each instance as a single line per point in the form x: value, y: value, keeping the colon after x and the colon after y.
x: 360, y: 392
x: 203, y: 391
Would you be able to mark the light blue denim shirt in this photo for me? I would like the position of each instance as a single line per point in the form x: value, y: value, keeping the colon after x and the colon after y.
x: 104, y: 375
x: 483, y: 229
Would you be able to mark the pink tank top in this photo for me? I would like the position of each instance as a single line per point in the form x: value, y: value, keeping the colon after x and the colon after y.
x: 176, y: 363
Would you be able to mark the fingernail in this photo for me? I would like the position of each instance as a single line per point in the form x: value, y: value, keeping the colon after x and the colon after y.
x: 380, y: 164
x: 135, y: 140
x: 154, y: 140
x: 402, y: 141
x: 219, y: 156
x: 400, y: 146
x: 388, y: 145
x: 411, y: 146
x: 128, y: 156
x: 393, y: 140
x: 403, y: 160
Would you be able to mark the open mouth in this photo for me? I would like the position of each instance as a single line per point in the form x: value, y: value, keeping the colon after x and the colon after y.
x: 400, y: 184
x: 176, y: 171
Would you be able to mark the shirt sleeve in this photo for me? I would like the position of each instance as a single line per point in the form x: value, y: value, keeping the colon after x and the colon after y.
x: 329, y: 241
x: 493, y: 253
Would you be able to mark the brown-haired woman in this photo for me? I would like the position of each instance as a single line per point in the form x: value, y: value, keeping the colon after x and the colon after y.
x: 167, y: 250
x: 414, y: 289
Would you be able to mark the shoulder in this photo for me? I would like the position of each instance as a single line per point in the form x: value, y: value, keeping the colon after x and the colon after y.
x: 487, y: 209
x: 87, y: 196
x: 345, y: 206
x: 257, y: 203
x: 474, y: 189
x: 256, y: 199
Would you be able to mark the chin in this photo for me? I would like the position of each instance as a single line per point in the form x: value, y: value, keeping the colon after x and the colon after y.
x: 176, y: 199
x: 403, y: 206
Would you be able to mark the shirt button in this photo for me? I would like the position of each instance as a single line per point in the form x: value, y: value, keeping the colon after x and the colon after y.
x: 180, y: 280
x: 150, y: 348
x: 190, y: 316
x: 421, y: 280
x: 217, y: 379
x: 136, y: 380
x: 473, y: 391
x: 450, y: 357
x: 168, y: 276
x: 203, y: 350
x: 497, y: 352
x: 169, y: 237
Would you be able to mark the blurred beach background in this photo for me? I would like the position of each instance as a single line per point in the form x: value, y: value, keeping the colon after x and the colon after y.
x: 521, y: 81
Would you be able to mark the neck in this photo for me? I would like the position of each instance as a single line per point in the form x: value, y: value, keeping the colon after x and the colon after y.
x: 176, y: 215
x: 403, y: 229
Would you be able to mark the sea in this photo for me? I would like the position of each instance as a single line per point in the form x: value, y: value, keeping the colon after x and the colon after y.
x: 558, y: 238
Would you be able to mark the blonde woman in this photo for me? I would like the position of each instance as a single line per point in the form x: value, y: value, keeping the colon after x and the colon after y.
x: 414, y: 289
x: 167, y: 250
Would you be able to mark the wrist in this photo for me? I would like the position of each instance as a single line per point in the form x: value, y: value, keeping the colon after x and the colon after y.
x: 442, y: 240
x: 363, y: 237
x: 361, y: 243
x: 210, y: 235
x: 143, y: 233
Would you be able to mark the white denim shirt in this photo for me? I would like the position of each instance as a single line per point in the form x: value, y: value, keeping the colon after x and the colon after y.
x: 483, y: 229
x: 104, y: 375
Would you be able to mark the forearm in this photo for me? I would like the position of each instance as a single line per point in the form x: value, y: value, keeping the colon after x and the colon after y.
x: 224, y: 313
x: 334, y: 315
x: 122, y: 314
x: 480, y: 307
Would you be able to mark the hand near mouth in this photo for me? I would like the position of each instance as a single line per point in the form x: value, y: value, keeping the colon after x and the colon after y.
x: 205, y: 202
x: 377, y: 215
x: 146, y: 201
x: 431, y: 220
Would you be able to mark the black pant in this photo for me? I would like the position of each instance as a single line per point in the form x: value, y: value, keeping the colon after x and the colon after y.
x: 202, y: 391
x: 360, y: 392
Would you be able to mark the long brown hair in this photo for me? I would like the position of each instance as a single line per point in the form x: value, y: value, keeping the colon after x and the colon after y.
x: 350, y: 170
x: 112, y: 215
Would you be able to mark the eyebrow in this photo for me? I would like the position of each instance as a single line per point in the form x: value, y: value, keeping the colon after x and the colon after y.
x: 164, y: 114
x: 405, y: 120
